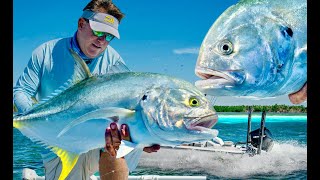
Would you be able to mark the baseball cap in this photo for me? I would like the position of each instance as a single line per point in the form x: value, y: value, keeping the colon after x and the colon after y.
x: 102, y: 22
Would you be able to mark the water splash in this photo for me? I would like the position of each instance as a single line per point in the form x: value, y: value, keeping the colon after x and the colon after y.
x: 283, y: 159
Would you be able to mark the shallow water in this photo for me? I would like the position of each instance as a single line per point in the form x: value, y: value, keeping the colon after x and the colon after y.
x: 286, y: 160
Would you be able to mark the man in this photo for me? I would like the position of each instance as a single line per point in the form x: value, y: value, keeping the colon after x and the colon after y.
x: 51, y: 65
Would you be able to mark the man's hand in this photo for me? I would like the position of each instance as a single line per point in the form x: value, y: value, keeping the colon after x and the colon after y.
x: 113, y: 139
x: 299, y: 96
x: 153, y: 148
x: 109, y: 166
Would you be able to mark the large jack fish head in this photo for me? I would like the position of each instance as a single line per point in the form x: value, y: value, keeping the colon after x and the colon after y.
x: 248, y: 51
x: 178, y: 116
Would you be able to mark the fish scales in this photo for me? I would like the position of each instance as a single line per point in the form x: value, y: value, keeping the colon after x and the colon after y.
x: 158, y: 109
x: 256, y: 48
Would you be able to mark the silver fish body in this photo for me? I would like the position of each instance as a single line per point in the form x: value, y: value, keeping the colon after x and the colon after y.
x: 158, y: 109
x: 255, y: 48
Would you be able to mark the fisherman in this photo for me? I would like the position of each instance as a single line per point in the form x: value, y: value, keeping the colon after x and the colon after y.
x: 51, y: 65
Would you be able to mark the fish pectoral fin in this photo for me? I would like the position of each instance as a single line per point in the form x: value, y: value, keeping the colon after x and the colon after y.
x: 131, y: 153
x: 125, y: 148
x: 68, y: 160
x: 98, y: 114
x: 133, y: 158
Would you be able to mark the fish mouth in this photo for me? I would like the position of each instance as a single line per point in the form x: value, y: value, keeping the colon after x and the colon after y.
x: 218, y: 79
x: 203, y: 123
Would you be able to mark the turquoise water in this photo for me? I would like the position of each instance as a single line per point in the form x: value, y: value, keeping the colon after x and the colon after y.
x: 286, y: 160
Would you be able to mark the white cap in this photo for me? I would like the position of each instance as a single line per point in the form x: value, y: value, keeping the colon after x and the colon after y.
x: 102, y: 22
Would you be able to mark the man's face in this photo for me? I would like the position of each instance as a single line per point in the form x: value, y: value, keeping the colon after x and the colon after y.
x: 90, y: 44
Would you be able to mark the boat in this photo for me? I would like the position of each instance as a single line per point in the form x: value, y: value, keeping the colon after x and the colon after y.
x: 257, y: 141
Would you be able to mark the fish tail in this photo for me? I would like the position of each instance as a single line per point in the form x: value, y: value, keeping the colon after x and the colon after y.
x: 68, y: 160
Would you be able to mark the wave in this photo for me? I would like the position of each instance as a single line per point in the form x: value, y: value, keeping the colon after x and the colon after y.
x: 283, y: 159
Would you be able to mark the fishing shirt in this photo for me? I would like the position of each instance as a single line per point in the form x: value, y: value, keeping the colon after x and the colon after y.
x: 51, y: 65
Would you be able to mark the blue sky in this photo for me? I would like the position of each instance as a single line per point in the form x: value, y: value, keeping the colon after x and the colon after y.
x: 156, y: 36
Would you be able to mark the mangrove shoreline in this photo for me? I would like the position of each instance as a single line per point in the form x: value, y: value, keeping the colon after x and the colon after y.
x: 259, y: 108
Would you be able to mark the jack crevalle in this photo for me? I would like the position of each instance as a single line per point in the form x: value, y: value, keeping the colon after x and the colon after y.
x: 158, y: 109
x: 256, y: 48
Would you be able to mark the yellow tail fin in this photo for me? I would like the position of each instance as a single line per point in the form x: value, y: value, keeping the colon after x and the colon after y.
x: 68, y: 160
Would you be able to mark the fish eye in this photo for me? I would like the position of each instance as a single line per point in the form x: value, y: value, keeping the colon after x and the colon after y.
x: 194, y: 102
x: 225, y: 47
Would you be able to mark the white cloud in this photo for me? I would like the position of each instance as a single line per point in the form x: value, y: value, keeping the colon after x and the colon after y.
x: 186, y: 51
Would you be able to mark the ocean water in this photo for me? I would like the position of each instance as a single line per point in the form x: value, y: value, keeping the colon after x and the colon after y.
x: 286, y: 160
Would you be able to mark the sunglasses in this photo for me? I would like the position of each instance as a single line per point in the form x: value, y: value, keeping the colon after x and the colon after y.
x: 109, y: 36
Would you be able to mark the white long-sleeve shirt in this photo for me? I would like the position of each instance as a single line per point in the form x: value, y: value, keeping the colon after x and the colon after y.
x: 50, y: 66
